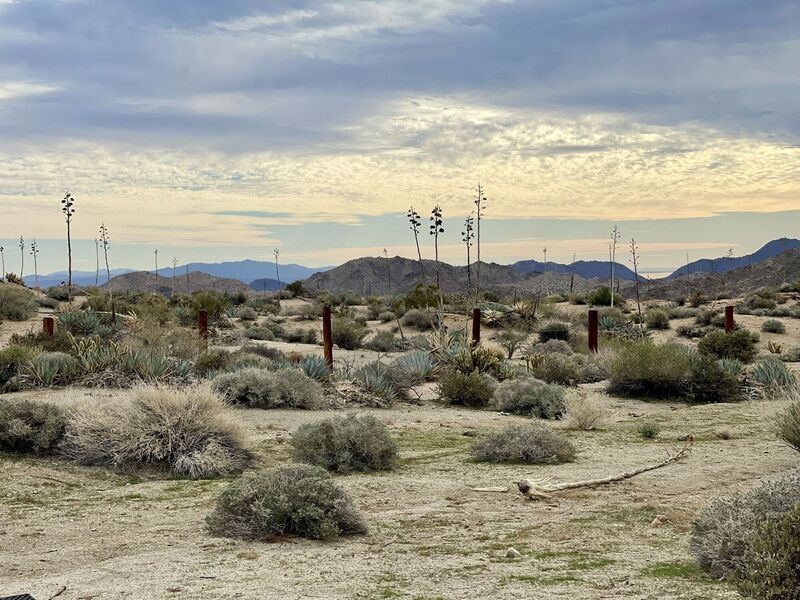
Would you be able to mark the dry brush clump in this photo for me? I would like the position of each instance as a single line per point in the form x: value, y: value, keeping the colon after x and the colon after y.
x: 530, y: 443
x: 299, y: 500
x: 30, y: 427
x: 585, y: 412
x: 257, y: 388
x: 346, y: 444
x: 183, y: 431
x: 468, y: 389
x: 731, y: 536
x: 530, y: 397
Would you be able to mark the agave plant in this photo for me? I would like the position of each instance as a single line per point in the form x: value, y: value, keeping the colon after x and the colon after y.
x: 374, y: 378
x: 731, y: 365
x: 773, y: 374
x: 52, y: 368
x: 416, y: 365
x: 315, y: 367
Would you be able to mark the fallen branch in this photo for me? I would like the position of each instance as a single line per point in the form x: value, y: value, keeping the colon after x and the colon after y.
x: 538, y: 490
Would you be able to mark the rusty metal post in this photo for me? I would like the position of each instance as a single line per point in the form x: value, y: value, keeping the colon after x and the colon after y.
x: 728, y: 319
x: 202, y: 323
x: 476, y: 326
x: 327, y: 336
x: 49, y: 326
x: 593, y: 330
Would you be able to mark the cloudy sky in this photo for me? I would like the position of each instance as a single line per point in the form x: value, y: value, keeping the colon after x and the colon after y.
x: 219, y: 130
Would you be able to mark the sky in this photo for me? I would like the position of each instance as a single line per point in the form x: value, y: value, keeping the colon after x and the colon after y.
x: 221, y: 130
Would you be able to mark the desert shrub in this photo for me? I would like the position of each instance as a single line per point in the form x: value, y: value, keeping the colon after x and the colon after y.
x: 347, y: 334
x: 16, y: 303
x: 416, y: 366
x: 51, y: 368
x: 386, y: 316
x: 773, y: 326
x: 48, y: 303
x: 530, y: 443
x: 384, y: 381
x: 383, y: 341
x: 584, y: 412
x: 738, y: 344
x: 419, y: 319
x: 772, y: 560
x: 556, y: 368
x: 11, y: 361
x: 315, y: 367
x: 657, y: 319
x: 245, y: 313
x: 721, y: 534
x: 59, y: 293
x: 300, y: 335
x: 422, y: 297
x: 511, y: 340
x: 297, y: 500
x: 183, y: 431
x: 469, y: 389
x: 697, y: 299
x: 256, y: 388
x: 650, y: 370
x: 710, y: 382
x: 550, y: 347
x: 345, y: 444
x: 787, y: 423
x: 530, y: 397
x: 600, y: 297
x: 212, y: 302
x: 259, y: 333
x: 554, y: 330
x: 773, y: 374
x: 211, y: 360
x: 30, y: 427
x: 245, y: 360
x: 648, y: 430
x: 265, y: 351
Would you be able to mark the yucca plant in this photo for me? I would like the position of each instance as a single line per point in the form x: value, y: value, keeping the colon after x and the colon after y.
x: 416, y: 365
x: 731, y: 365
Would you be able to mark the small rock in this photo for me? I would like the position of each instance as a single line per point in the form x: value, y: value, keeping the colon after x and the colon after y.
x: 512, y: 553
x: 658, y: 521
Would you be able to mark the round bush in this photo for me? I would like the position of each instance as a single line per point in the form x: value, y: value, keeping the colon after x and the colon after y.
x: 554, y: 330
x: 16, y: 303
x: 469, y: 389
x: 256, y: 388
x: 259, y: 333
x: 297, y: 500
x: 773, y: 326
x: 650, y: 370
x: 419, y: 319
x: 11, y: 359
x: 347, y: 334
x: 557, y: 368
x: 530, y: 397
x: 386, y: 316
x: 213, y: 359
x: 30, y: 427
x: 657, y: 319
x: 531, y: 443
x: 346, y: 444
x: 184, y: 431
x: 738, y: 344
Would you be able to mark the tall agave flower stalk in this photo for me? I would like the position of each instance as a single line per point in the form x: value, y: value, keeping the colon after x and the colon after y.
x: 467, y: 236
x: 68, y: 208
x: 612, y: 251
x: 35, y: 254
x: 436, y: 228
x: 414, y: 224
x: 105, y: 241
x: 635, y: 262
x: 22, y: 260
x: 480, y: 199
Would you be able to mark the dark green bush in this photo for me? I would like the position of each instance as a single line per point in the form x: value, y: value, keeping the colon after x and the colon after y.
x: 650, y: 370
x: 554, y: 367
x: 297, y: 500
x: 602, y: 297
x: 212, y: 360
x: 739, y: 344
x: 11, y: 359
x: 346, y: 444
x: 710, y: 382
x: 30, y: 427
x: 530, y: 397
x: 469, y: 389
x: 531, y: 443
x: 554, y: 330
x: 16, y: 303
x: 347, y: 334
x: 58, y: 292
x: 419, y: 319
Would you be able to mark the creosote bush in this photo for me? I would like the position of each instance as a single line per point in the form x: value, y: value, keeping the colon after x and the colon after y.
x: 183, y: 431
x: 530, y: 397
x: 773, y: 326
x: 288, y: 500
x: 32, y: 427
x: 257, y: 388
x: 347, y: 334
x: 16, y: 303
x: 345, y: 444
x: 530, y: 443
x: 738, y: 344
x: 723, y: 534
x: 211, y: 360
x: 469, y: 389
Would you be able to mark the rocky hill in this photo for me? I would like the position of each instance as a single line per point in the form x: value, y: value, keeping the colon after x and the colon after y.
x: 144, y: 281
x: 375, y: 275
x: 588, y: 269
x: 737, y: 282
x: 724, y: 264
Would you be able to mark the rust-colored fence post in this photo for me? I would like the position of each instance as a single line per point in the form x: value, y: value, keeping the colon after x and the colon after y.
x: 202, y: 323
x: 593, y: 330
x: 327, y: 336
x: 49, y: 326
x: 728, y: 319
x: 476, y: 326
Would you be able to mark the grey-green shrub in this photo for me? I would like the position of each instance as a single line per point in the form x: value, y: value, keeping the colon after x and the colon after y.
x: 418, y: 319
x: 297, y: 500
x: 212, y: 360
x: 383, y: 341
x: 554, y: 330
x: 650, y: 370
x: 257, y: 388
x: 773, y: 326
x: 551, y: 347
x: 657, y: 319
x: 530, y: 397
x: 260, y: 333
x: 32, y: 427
x: 557, y: 368
x: 16, y: 303
x: 530, y: 443
x: 721, y: 533
x: 345, y: 444
x: 738, y: 344
x: 11, y: 360
x: 387, y: 316
x: 469, y: 389
x: 347, y: 334
x: 648, y: 430
x: 183, y: 431
x: 788, y: 424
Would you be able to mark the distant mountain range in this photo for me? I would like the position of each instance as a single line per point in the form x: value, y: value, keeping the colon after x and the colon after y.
x: 724, y: 264
x: 145, y: 281
x: 585, y: 268
x: 267, y: 285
